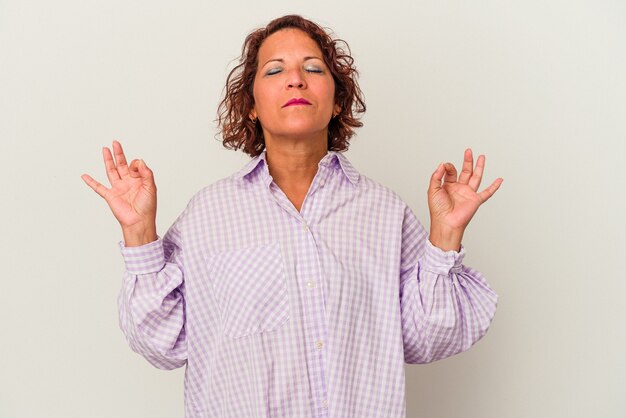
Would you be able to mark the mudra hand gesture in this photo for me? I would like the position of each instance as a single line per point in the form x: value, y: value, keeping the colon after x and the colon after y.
x: 453, y: 203
x: 132, y: 196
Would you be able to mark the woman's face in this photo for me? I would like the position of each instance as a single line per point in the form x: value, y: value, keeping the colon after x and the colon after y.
x: 291, y: 67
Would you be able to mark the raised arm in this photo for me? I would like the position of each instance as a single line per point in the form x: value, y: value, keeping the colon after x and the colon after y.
x: 445, y: 306
x: 151, y: 300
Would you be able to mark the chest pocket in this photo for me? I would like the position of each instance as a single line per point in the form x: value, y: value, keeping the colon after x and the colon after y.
x: 251, y: 289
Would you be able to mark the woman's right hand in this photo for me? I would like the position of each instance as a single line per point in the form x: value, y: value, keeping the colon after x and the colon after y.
x: 132, y: 196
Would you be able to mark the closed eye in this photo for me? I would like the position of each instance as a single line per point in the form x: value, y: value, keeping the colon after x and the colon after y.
x: 277, y: 70
x: 273, y: 71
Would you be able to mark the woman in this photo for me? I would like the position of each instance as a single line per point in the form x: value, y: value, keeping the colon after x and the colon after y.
x: 297, y: 287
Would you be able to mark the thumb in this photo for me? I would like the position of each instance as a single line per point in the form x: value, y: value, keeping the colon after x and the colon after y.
x: 144, y: 171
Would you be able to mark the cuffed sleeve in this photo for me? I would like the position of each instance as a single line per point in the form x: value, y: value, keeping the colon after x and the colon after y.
x: 446, y: 306
x: 144, y: 259
x: 151, y: 302
x: 437, y: 261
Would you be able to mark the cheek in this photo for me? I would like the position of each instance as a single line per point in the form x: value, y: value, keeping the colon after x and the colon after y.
x: 257, y: 89
x: 331, y: 92
x: 261, y: 97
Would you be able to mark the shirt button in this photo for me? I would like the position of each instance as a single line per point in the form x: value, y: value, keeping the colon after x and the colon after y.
x: 310, y: 285
x: 322, y: 183
x: 325, y: 403
x: 319, y: 345
x: 305, y: 228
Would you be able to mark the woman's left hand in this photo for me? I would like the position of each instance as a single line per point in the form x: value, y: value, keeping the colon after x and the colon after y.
x: 453, y: 203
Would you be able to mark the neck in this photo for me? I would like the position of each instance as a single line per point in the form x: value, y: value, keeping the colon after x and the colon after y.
x: 294, y: 162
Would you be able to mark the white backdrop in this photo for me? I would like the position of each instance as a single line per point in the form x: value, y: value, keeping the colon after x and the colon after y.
x: 537, y: 86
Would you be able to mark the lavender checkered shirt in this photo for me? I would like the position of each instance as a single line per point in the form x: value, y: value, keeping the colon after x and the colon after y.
x: 280, y: 313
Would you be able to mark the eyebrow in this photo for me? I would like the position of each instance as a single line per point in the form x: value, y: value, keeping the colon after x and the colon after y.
x: 282, y: 60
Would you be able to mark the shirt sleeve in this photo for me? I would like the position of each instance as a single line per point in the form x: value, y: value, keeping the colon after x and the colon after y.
x: 151, y: 302
x: 446, y: 307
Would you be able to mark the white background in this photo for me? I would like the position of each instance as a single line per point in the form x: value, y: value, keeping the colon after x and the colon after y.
x: 538, y: 86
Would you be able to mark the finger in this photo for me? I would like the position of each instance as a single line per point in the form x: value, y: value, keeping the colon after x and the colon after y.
x: 133, y: 169
x: 120, y: 159
x: 109, y: 165
x: 477, y: 175
x: 451, y: 174
x: 468, y: 164
x: 145, y: 172
x: 435, y: 179
x: 489, y: 191
x: 97, y: 187
x: 139, y: 169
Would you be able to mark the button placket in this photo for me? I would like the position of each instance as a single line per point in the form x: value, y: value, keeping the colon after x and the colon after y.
x: 310, y: 272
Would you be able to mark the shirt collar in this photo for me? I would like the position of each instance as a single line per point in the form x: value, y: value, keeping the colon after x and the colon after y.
x: 332, y: 159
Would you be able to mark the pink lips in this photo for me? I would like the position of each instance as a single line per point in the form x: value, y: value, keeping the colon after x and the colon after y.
x: 296, y: 102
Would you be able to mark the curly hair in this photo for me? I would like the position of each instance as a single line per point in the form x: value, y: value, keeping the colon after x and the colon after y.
x: 236, y: 128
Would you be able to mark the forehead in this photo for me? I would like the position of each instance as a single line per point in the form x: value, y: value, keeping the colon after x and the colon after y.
x: 287, y: 42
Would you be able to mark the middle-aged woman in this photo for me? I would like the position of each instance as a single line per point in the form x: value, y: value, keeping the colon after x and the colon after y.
x: 297, y: 287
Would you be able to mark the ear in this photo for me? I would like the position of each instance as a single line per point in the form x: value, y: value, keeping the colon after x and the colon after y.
x: 336, y: 110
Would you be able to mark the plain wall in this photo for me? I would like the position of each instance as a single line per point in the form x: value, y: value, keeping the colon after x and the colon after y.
x: 538, y: 86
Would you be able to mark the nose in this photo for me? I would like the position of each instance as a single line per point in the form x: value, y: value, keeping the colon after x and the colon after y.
x: 296, y: 80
